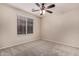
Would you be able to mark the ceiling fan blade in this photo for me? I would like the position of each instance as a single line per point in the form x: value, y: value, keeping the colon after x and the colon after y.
x: 49, y: 11
x: 37, y: 4
x: 51, y: 6
x: 43, y: 3
x: 34, y: 10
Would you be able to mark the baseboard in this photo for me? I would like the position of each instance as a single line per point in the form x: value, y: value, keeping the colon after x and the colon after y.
x: 61, y: 43
x: 16, y: 44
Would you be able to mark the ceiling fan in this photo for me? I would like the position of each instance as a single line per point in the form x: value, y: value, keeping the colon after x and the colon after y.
x: 43, y: 8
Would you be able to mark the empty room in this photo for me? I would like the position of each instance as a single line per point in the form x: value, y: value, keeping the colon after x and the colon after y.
x: 39, y: 29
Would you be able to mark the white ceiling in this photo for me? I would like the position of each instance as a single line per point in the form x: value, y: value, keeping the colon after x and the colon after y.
x: 60, y: 7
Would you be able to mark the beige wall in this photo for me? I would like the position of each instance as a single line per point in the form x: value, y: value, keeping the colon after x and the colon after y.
x: 8, y: 27
x: 62, y: 28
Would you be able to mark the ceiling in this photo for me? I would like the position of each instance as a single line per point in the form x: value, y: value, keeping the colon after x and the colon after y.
x: 60, y: 7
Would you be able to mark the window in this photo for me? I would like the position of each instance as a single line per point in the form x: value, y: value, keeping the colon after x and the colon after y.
x: 21, y: 25
x: 29, y: 26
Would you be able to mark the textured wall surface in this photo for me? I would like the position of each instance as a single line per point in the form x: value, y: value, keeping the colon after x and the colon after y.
x: 8, y: 27
x: 62, y: 28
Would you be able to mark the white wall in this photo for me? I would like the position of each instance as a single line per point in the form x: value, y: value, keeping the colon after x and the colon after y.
x: 62, y: 28
x: 8, y: 27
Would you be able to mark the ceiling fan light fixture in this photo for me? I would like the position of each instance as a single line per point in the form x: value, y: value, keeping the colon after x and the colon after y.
x: 42, y: 12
